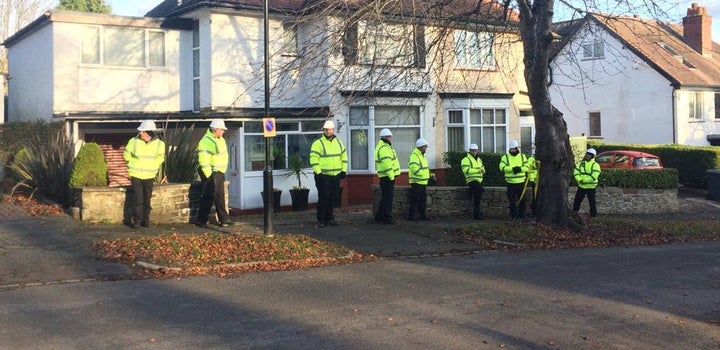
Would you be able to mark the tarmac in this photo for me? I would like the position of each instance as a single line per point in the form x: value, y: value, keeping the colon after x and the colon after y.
x: 56, y: 249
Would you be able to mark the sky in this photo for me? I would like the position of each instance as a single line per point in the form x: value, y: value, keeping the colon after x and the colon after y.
x: 140, y: 7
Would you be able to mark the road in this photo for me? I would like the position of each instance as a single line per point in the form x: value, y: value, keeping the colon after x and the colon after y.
x: 662, y: 297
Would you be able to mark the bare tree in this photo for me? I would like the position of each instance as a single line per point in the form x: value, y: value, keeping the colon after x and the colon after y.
x: 14, y: 15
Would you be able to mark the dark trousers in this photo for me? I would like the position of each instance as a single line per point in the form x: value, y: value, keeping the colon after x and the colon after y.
x: 142, y: 192
x: 328, y: 187
x: 517, y: 204
x: 580, y: 195
x: 384, y: 212
x: 418, y: 201
x: 213, y: 193
x: 476, y: 191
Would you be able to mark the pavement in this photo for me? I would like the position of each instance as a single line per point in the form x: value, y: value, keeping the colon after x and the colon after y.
x: 56, y: 249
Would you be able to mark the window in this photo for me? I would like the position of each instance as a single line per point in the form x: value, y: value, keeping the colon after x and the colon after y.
x: 474, y: 49
x: 695, y: 106
x: 292, y: 137
x: 717, y: 105
x: 289, y: 38
x: 403, y: 121
x: 595, y: 127
x: 595, y: 49
x: 384, y: 44
x: 121, y: 46
x: 486, y: 127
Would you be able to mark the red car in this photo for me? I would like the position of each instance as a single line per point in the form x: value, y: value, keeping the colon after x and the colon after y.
x: 628, y: 160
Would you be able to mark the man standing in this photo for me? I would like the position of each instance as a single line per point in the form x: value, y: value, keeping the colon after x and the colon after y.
x: 213, y: 163
x: 586, y: 174
x: 419, y: 174
x: 387, y: 167
x: 473, y: 169
x: 514, y: 165
x: 144, y: 154
x: 328, y: 158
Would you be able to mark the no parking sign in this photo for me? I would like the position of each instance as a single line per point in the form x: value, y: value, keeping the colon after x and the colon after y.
x: 269, y: 127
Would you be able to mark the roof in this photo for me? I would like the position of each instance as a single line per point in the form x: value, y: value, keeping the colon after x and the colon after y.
x: 661, y: 45
x: 465, y: 9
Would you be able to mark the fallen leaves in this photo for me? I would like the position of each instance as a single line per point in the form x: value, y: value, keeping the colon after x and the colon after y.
x: 32, y: 205
x: 222, y: 254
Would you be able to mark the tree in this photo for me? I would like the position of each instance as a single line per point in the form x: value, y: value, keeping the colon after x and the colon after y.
x: 15, y: 14
x: 96, y: 6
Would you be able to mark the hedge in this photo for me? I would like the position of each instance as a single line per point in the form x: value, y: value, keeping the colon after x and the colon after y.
x: 692, y: 162
x: 90, y: 168
x: 15, y: 135
x: 491, y: 161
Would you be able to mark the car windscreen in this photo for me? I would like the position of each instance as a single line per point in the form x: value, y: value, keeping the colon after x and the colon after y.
x: 646, y: 161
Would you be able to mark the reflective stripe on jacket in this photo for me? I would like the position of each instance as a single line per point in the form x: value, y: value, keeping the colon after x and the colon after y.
x: 144, y: 158
x: 508, y: 162
x: 386, y: 160
x: 587, y: 171
x: 212, y: 154
x: 328, y: 157
x: 418, y: 169
x: 472, y: 168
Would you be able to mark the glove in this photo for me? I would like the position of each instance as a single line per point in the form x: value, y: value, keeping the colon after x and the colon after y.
x: 342, y: 174
x: 516, y: 170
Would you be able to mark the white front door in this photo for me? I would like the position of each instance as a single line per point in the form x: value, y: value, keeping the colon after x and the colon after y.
x: 233, y: 174
x: 527, y: 135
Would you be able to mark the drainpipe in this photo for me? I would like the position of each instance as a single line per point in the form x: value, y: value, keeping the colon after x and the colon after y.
x: 674, y: 114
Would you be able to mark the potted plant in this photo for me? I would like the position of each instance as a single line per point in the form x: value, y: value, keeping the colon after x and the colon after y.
x: 298, y: 194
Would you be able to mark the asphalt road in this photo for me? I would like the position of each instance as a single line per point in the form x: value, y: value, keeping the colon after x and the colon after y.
x: 662, y: 297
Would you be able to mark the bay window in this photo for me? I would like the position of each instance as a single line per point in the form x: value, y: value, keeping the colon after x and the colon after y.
x: 365, y: 125
x: 292, y: 137
x: 486, y: 127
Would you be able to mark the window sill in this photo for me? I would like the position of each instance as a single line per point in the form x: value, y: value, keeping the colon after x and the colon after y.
x: 693, y: 121
x: 592, y: 58
x: 595, y: 137
x: 134, y: 68
x: 477, y: 69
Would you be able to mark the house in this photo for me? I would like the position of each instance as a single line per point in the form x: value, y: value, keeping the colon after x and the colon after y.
x: 454, y: 79
x: 631, y: 80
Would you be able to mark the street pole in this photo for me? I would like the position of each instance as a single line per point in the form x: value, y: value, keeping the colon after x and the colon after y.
x: 267, y: 171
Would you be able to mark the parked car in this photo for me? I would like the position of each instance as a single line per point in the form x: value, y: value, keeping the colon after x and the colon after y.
x: 628, y: 160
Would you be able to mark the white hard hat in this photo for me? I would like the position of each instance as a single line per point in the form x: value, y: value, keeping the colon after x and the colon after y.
x: 147, y: 125
x: 513, y: 144
x: 473, y: 146
x: 329, y: 124
x: 421, y: 142
x: 385, y: 132
x: 217, y: 124
x: 592, y: 151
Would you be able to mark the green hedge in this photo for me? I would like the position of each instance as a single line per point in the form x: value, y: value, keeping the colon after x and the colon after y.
x: 692, y: 162
x: 15, y: 135
x: 90, y: 168
x: 491, y: 161
x: 642, y: 179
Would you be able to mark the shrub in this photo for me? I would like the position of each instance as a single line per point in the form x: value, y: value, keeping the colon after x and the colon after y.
x: 14, y: 136
x: 491, y: 161
x: 692, y: 162
x: 48, y: 166
x: 640, y: 178
x: 20, y: 156
x: 90, y: 168
x: 181, y: 163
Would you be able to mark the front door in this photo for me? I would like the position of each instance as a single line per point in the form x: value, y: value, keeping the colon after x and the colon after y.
x: 233, y: 174
x: 527, y: 135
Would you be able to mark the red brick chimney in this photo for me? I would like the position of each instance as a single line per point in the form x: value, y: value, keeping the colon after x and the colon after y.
x: 696, y: 29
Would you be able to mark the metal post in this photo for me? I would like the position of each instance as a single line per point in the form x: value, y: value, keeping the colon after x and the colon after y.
x: 267, y: 171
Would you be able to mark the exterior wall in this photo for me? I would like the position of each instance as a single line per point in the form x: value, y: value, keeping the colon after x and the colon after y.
x: 94, y: 87
x: 171, y: 203
x: 450, y: 201
x: 635, y: 101
x: 694, y: 132
x: 30, y: 88
x: 3, y: 85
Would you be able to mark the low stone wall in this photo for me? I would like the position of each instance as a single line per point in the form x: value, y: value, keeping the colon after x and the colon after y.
x: 454, y: 200
x: 171, y: 203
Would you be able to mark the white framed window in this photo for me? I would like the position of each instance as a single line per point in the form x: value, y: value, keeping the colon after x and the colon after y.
x: 196, y: 64
x: 486, y: 127
x: 595, y: 127
x: 474, y: 49
x: 289, y: 38
x: 717, y: 105
x: 365, y: 125
x: 292, y: 137
x: 696, y: 110
x: 386, y: 44
x: 123, y: 46
x: 595, y: 49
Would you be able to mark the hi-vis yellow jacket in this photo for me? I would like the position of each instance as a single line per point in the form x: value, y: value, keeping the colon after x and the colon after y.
x: 418, y: 169
x: 144, y: 158
x: 386, y: 160
x: 587, y: 171
x: 472, y: 168
x: 212, y: 154
x: 508, y: 162
x: 328, y: 157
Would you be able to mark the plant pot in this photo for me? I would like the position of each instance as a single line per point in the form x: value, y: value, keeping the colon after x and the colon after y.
x: 299, y: 198
x: 277, y: 196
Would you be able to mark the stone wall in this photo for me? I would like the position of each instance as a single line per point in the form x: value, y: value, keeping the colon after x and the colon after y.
x: 171, y: 203
x: 453, y: 200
